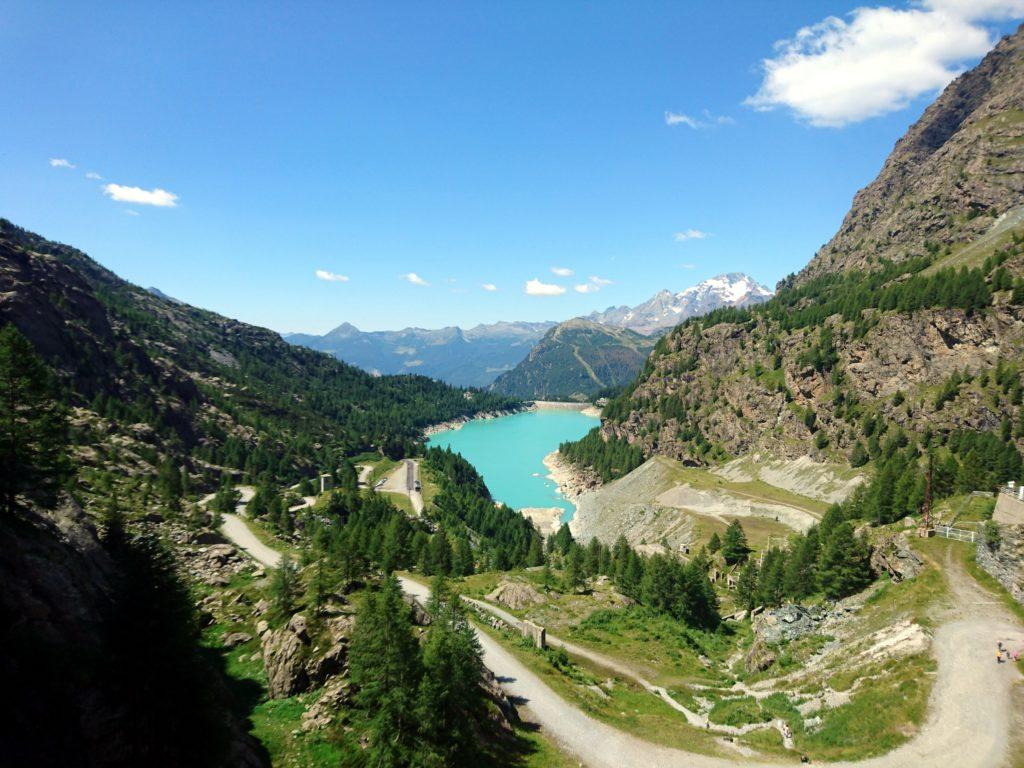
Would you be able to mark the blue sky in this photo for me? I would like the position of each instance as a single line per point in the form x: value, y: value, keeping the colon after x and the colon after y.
x: 244, y: 148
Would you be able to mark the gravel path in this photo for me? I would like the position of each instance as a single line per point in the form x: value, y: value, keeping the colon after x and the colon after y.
x: 971, y: 705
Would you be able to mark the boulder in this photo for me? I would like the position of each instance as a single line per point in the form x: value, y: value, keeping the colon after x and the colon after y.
x: 261, y: 627
x: 420, y: 617
x: 283, y: 663
x: 892, y: 556
x: 299, y: 627
x: 237, y: 638
x: 779, y: 625
x: 332, y: 662
x: 221, y: 553
x: 516, y: 595
x: 340, y: 627
x: 335, y: 695
x: 261, y: 607
x: 759, y: 657
x: 207, y: 537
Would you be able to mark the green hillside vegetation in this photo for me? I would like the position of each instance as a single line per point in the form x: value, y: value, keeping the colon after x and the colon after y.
x: 214, y: 390
x: 576, y: 360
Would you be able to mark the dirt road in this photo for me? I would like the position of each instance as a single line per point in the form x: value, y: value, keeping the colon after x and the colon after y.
x: 970, y: 707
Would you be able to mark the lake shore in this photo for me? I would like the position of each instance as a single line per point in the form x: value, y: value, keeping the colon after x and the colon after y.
x: 546, y: 520
x: 571, y: 481
x: 587, y: 409
x: 459, y: 423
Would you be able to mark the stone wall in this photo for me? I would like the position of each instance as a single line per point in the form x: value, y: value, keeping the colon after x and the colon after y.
x: 1006, y: 563
x: 536, y: 633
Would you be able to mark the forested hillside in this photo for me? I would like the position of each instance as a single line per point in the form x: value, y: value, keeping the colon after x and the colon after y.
x: 189, y: 381
x: 575, y: 360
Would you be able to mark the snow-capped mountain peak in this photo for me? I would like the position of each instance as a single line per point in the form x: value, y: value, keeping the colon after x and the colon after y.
x: 666, y: 309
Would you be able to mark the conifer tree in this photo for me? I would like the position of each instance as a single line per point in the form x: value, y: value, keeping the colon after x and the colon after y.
x: 32, y: 423
x: 845, y: 563
x: 734, y: 544
x: 386, y: 666
x: 283, y: 587
x: 449, y: 698
x: 746, y: 585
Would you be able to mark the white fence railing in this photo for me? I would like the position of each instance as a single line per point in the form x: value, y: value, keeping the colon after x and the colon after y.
x: 960, y: 534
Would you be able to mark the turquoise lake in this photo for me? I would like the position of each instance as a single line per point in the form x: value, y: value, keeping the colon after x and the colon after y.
x: 509, y: 452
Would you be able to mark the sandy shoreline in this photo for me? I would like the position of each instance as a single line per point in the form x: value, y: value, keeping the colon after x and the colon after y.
x: 547, y: 520
x: 587, y: 409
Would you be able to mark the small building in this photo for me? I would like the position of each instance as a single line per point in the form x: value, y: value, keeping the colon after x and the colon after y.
x: 326, y: 483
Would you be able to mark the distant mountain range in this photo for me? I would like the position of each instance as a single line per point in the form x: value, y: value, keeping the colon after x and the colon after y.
x: 666, y: 309
x: 478, y: 356
x: 473, y: 357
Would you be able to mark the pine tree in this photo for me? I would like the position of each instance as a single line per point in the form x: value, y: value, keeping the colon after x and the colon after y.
x: 462, y: 561
x: 439, y: 554
x: 386, y: 666
x: 283, y: 587
x: 714, y: 543
x: 801, y: 579
x: 449, y: 699
x: 575, y: 565
x: 746, y: 585
x: 770, y: 585
x: 734, y: 544
x: 169, y: 483
x: 535, y: 556
x: 845, y: 563
x: 32, y: 424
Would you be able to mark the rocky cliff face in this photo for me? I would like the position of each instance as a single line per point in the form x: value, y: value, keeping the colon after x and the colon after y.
x: 956, y: 171
x: 804, y: 373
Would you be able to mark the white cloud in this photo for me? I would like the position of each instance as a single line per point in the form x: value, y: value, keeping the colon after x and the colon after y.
x: 842, y: 71
x: 94, y: 176
x: 536, y: 288
x: 415, y: 279
x: 60, y: 162
x: 596, y: 284
x: 690, y: 234
x: 688, y: 266
x: 562, y: 271
x: 706, y: 120
x: 132, y: 212
x: 677, y: 118
x: 161, y: 198
x: 491, y: 287
x: 331, y: 277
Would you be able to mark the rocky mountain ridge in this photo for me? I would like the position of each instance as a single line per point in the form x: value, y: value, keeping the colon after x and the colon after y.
x: 477, y: 356
x: 911, y: 317
x: 955, y: 171
x: 461, y: 357
x: 667, y: 309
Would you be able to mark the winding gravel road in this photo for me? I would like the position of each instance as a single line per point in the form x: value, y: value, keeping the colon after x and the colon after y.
x: 970, y: 707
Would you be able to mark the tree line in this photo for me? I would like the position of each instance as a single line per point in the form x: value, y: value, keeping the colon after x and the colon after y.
x: 610, y: 458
